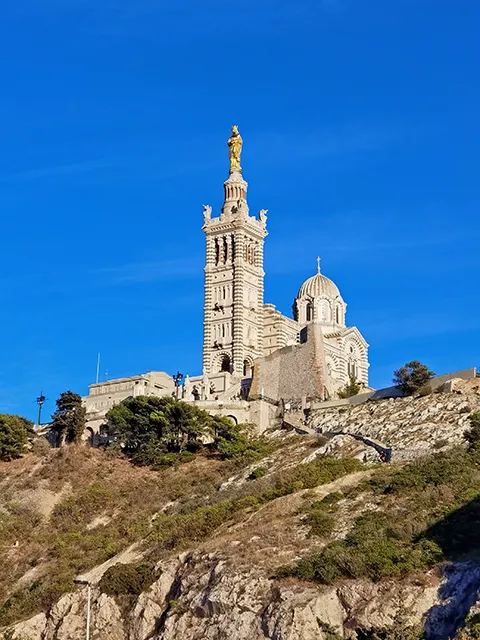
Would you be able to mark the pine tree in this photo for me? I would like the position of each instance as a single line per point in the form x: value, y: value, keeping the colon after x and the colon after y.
x: 352, y: 388
x: 68, y: 421
x: 412, y: 377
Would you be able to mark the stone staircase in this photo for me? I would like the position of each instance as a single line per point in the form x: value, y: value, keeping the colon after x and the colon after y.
x: 295, y: 420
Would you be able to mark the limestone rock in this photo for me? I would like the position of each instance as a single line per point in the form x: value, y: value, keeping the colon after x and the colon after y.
x: 204, y: 596
x: 409, y: 427
x: 31, y: 629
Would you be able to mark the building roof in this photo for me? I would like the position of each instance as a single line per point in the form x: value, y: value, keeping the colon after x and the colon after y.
x: 318, y: 285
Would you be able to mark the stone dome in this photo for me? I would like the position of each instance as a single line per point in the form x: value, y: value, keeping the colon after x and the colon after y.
x: 318, y: 285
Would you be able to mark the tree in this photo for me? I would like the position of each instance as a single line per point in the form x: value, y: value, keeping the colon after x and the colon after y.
x: 164, y: 431
x: 68, y: 421
x: 14, y: 434
x: 472, y: 436
x: 352, y: 388
x: 412, y: 377
x: 150, y: 428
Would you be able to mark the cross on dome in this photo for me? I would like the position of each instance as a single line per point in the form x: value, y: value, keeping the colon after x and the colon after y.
x: 318, y: 264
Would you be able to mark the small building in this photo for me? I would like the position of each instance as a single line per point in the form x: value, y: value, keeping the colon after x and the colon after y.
x: 104, y: 395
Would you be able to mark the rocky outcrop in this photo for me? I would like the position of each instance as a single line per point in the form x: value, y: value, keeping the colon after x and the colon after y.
x: 408, y: 427
x: 226, y: 588
x: 204, y: 596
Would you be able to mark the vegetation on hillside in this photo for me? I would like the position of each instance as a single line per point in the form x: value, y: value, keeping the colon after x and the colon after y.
x: 68, y: 421
x: 419, y: 515
x: 426, y: 513
x: 164, y: 431
x: 131, y: 502
x: 412, y: 377
x: 14, y: 434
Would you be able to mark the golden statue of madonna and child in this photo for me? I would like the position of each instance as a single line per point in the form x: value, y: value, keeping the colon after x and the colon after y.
x: 235, y: 144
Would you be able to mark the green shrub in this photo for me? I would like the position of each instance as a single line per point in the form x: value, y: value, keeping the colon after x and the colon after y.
x: 320, y: 515
x: 352, y: 388
x: 472, y: 436
x: 128, y: 579
x: 257, y: 473
x: 234, y: 444
x: 329, y: 632
x: 14, y: 434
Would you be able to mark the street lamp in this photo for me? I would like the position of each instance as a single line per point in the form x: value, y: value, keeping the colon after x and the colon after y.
x: 40, y: 401
x: 177, y: 379
x: 89, y: 598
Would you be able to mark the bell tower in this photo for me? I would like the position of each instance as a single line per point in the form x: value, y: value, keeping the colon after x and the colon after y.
x: 233, y: 309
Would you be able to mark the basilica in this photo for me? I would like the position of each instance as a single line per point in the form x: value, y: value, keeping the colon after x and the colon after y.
x: 241, y: 332
x: 252, y: 353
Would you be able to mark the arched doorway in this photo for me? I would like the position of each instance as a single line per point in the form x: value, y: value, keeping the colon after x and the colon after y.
x: 90, y: 439
x: 233, y: 419
x: 225, y: 363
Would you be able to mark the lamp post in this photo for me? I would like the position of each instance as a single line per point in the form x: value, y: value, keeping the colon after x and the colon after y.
x: 89, y: 600
x: 177, y: 380
x: 40, y: 401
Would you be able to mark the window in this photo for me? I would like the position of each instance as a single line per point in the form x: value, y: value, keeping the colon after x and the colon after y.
x: 225, y: 364
x: 247, y: 368
x: 309, y: 313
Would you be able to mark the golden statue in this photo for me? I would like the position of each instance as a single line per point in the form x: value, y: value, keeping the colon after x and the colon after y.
x: 235, y: 144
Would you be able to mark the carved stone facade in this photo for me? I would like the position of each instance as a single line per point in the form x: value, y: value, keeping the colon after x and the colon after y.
x: 233, y: 311
x: 240, y: 331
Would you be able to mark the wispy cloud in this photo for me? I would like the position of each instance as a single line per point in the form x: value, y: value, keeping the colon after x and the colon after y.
x: 148, y: 271
x: 284, y: 148
x: 54, y: 172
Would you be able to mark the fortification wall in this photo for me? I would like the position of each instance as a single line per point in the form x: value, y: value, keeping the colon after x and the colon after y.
x: 293, y: 372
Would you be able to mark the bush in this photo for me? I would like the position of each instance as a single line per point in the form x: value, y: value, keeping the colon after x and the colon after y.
x: 320, y: 515
x: 352, y: 388
x: 233, y: 443
x: 14, y: 434
x: 472, y: 436
x: 128, y: 579
x: 257, y: 473
x: 412, y: 377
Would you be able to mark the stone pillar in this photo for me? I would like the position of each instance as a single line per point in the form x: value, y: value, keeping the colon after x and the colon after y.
x: 259, y: 311
x: 238, y: 306
x: 208, y: 303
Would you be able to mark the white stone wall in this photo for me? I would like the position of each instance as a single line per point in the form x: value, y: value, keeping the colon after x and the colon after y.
x: 279, y: 331
x: 104, y: 395
x: 233, y: 309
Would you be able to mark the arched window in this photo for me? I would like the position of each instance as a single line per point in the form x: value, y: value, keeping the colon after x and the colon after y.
x: 225, y: 250
x: 247, y: 368
x: 225, y: 364
x: 337, y: 315
x: 309, y: 312
x: 217, y: 251
x: 325, y: 311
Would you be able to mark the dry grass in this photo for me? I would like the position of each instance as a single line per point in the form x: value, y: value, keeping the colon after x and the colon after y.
x: 46, y: 535
x: 99, y: 505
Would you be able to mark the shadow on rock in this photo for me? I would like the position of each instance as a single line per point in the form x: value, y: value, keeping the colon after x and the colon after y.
x: 458, y: 535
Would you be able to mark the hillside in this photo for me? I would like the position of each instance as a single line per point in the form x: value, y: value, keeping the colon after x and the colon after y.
x: 299, y: 545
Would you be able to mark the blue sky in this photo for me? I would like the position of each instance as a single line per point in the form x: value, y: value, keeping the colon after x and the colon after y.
x: 361, y: 129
